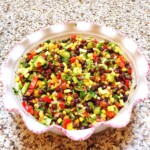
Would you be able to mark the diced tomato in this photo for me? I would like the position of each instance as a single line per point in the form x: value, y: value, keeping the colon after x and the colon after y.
x: 60, y: 95
x: 73, y: 59
x: 130, y: 71
x: 110, y: 114
x: 105, y: 47
x: 46, y: 99
x: 65, y: 122
x: 58, y: 75
x: 64, y: 86
x: 38, y: 64
x: 62, y: 105
x: 127, y: 83
x: 24, y: 104
x: 103, y: 104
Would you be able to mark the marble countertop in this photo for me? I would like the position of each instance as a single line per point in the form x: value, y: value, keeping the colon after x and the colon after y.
x: 21, y: 17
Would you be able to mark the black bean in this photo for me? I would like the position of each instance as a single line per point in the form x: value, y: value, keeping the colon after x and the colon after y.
x: 75, y: 95
x: 58, y: 89
x: 92, y: 70
x: 72, y: 83
x: 104, y: 86
x: 80, y: 78
x: 61, y: 115
x: 76, y: 101
x: 108, y: 71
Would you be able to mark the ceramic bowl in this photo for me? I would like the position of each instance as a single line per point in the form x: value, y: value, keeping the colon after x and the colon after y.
x: 131, y: 51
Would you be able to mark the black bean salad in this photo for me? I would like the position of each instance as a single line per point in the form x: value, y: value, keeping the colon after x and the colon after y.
x: 74, y: 82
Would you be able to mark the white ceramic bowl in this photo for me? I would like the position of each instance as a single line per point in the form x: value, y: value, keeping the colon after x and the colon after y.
x: 130, y: 50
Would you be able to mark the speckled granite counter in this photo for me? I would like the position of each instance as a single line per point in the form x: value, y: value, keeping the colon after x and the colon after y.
x: 21, y: 17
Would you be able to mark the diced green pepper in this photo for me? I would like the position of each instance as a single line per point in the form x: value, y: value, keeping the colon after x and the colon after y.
x: 90, y: 45
x: 25, y: 88
x: 97, y: 110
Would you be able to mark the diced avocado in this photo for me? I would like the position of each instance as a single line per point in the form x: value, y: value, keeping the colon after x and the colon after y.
x: 102, y: 92
x: 97, y: 110
x: 89, y: 62
x: 77, y: 70
x: 20, y: 85
x: 64, y: 54
x: 25, y: 88
x: 90, y: 45
x: 48, y: 121
x: 68, y: 46
x: 40, y: 60
x: 105, y: 67
x: 91, y: 105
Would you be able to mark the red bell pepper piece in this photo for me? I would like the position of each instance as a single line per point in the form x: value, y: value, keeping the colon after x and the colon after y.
x: 127, y: 83
x: 62, y: 105
x: 46, y: 99
x: 105, y: 47
x: 66, y: 121
x: 103, y: 104
x: 28, y: 108
x: 60, y: 95
x: 130, y: 71
x: 94, y: 56
x: 38, y: 64
x: 58, y: 75
x: 74, y: 37
x: 73, y: 59
x: 32, y: 86
x: 64, y: 86
x: 110, y: 114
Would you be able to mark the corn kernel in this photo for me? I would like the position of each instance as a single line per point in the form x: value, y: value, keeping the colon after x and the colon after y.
x: 36, y: 93
x: 17, y: 79
x: 41, y: 114
x: 103, y: 111
x: 81, y: 119
x: 64, y: 112
x: 112, y: 99
x: 69, y: 98
x: 69, y: 126
x: 59, y: 120
x: 124, y: 69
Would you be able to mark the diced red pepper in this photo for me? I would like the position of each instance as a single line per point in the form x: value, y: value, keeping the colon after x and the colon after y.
x: 46, y: 99
x: 60, y: 95
x: 105, y: 47
x: 94, y: 56
x: 110, y: 114
x: 73, y: 59
x: 118, y: 105
x: 127, y: 83
x: 120, y: 61
x: 21, y: 76
x: 64, y: 86
x: 74, y: 37
x: 103, y: 104
x: 32, y: 86
x: 28, y: 108
x: 43, y: 54
x: 38, y: 64
x: 58, y: 75
x: 130, y: 71
x: 65, y: 122
x: 86, y: 114
x: 30, y: 56
x: 62, y: 105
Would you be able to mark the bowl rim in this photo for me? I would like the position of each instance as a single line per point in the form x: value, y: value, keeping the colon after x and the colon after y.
x: 65, y: 132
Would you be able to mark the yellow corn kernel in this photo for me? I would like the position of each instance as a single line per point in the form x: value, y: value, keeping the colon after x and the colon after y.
x: 103, y: 111
x: 64, y: 112
x: 17, y: 79
x: 124, y: 69
x: 72, y: 47
x: 77, y: 121
x: 36, y: 93
x: 69, y: 126
x: 59, y: 120
x: 69, y: 98
x: 45, y: 44
x: 95, y: 122
x: 55, y: 46
x: 41, y: 114
x: 112, y: 99
x: 75, y: 113
x: 57, y: 64
x: 51, y: 46
x: 81, y: 119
